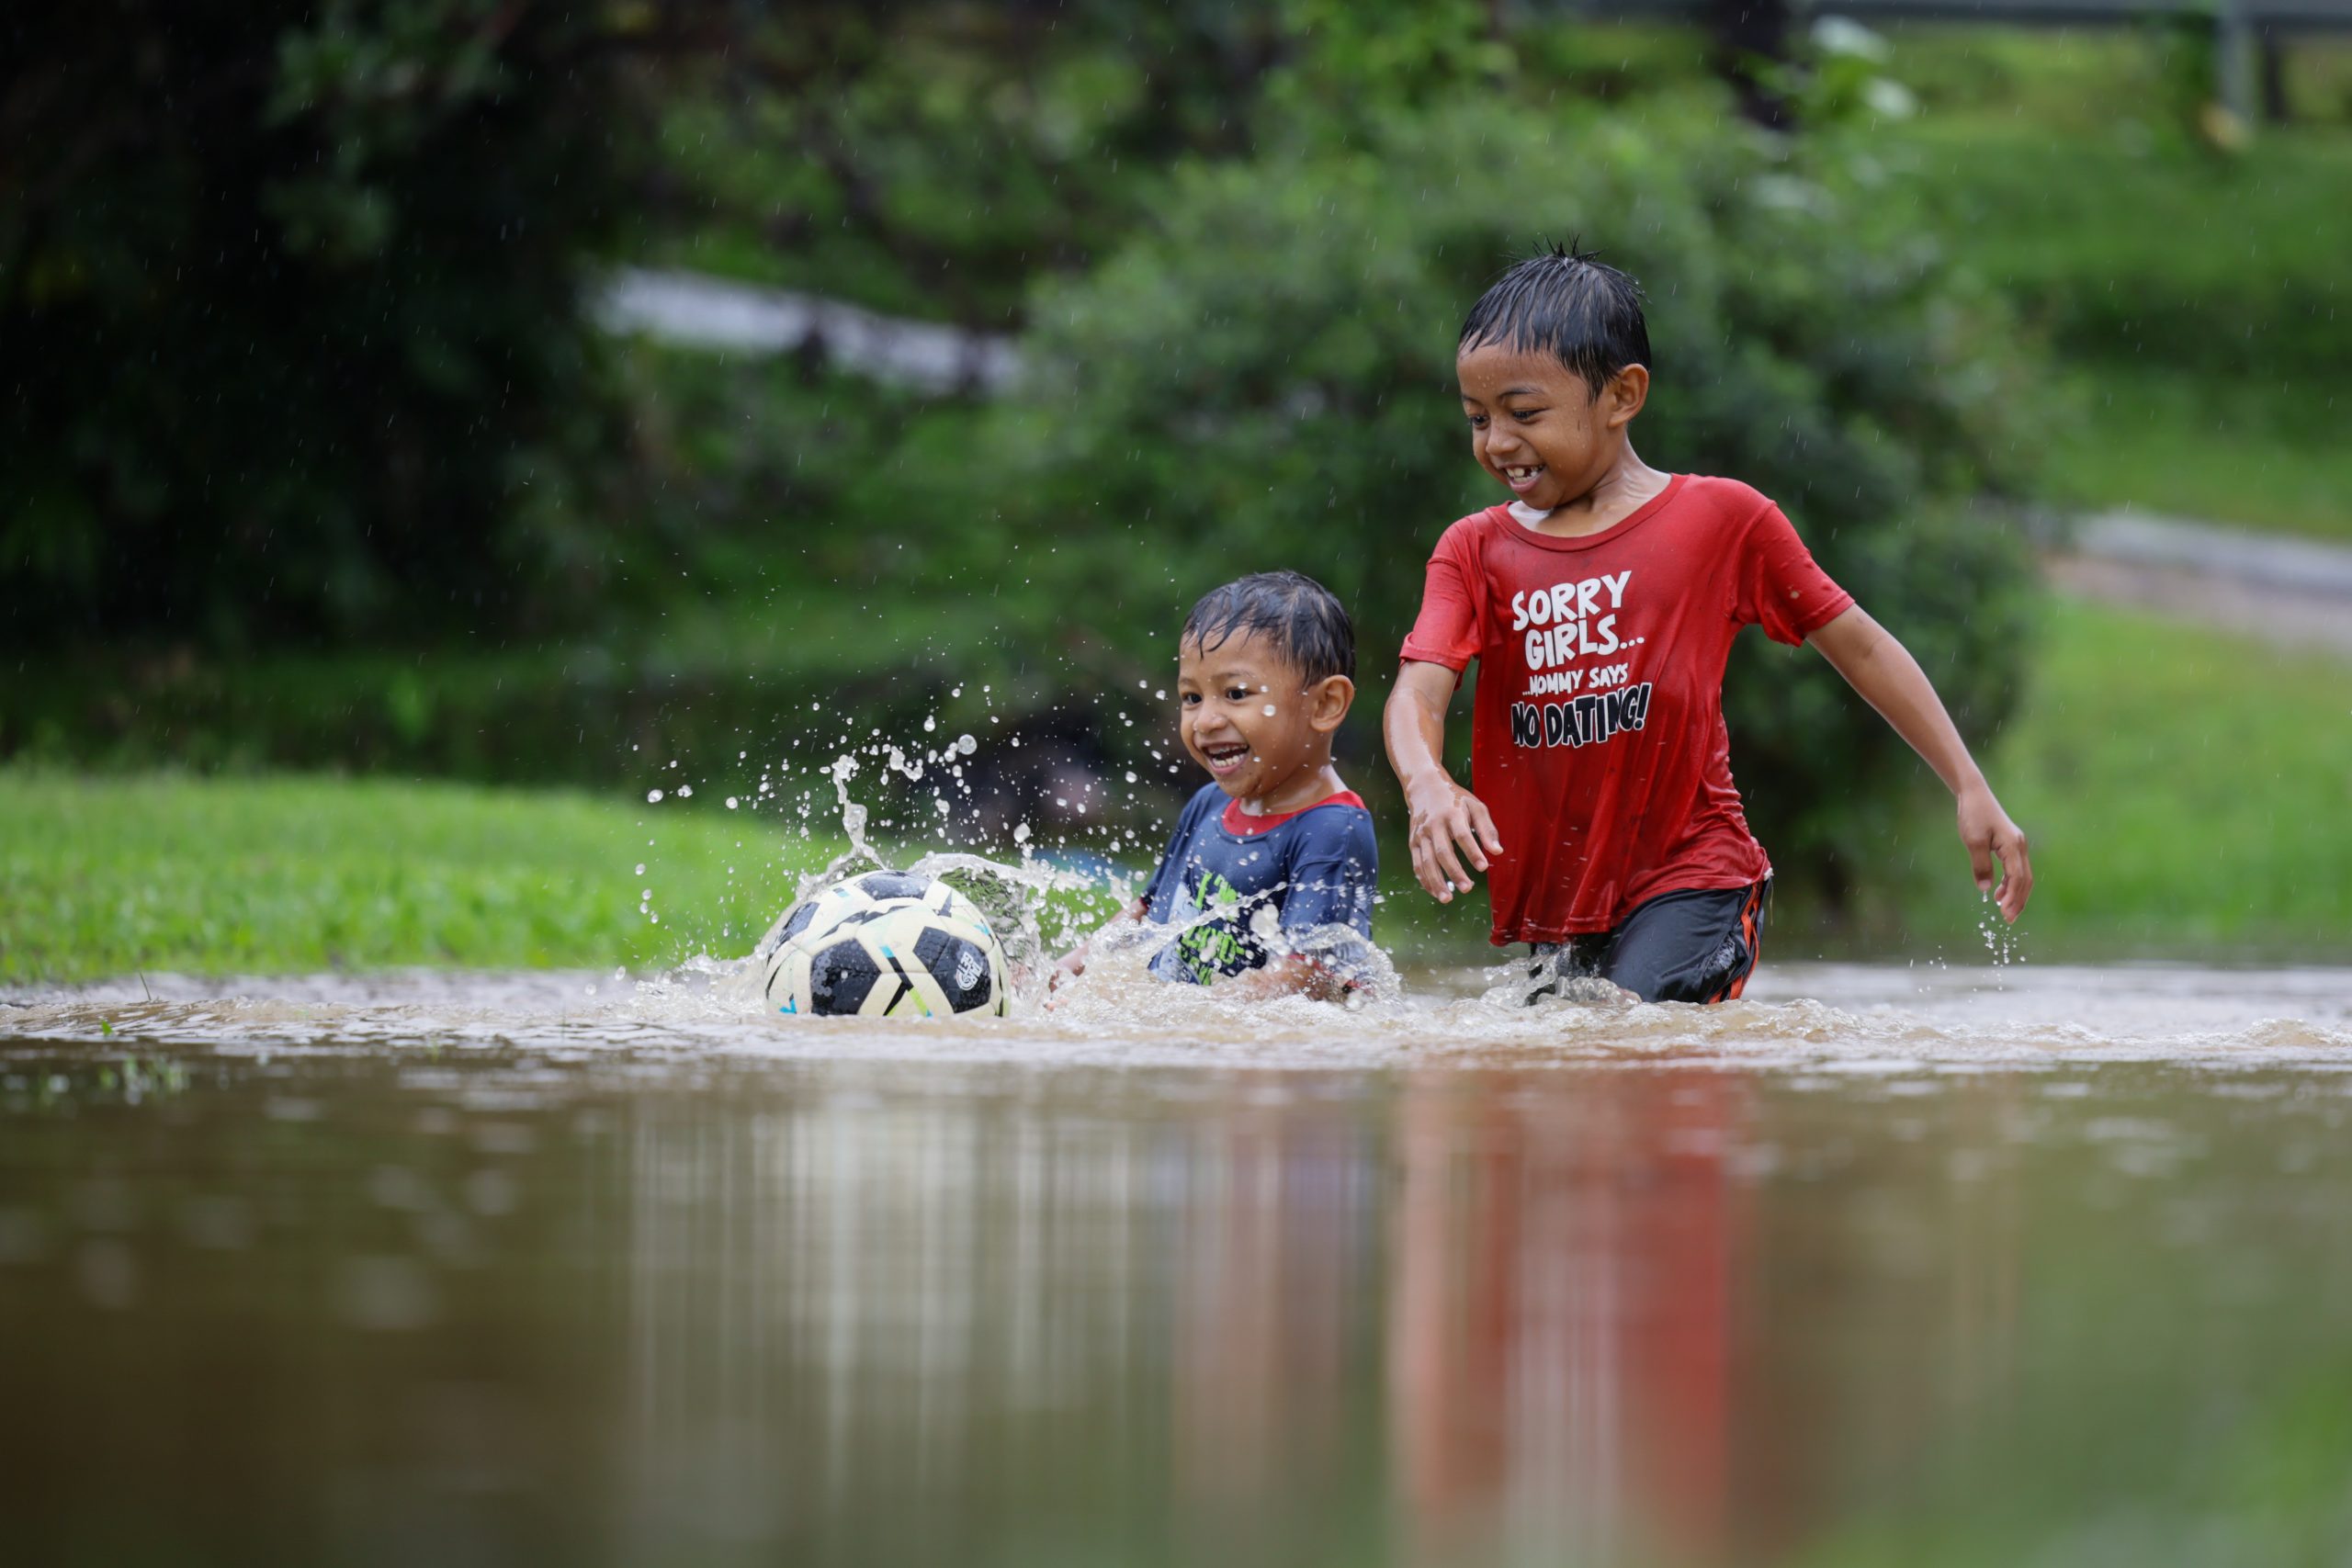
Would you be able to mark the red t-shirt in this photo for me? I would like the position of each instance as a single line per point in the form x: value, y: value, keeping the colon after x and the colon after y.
x: 1598, y: 741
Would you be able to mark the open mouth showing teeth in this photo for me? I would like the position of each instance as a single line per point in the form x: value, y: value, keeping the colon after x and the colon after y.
x: 1222, y: 758
x: 1521, y: 476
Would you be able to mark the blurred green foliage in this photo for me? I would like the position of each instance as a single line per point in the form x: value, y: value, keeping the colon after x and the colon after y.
x: 930, y: 157
x: 290, y: 298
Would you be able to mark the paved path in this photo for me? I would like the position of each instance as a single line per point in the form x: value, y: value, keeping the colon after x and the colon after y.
x: 2289, y: 592
x: 715, y: 312
x: 2292, y: 592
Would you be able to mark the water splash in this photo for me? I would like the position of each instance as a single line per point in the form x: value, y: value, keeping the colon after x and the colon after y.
x: 2004, y: 943
x: 1814, y: 1022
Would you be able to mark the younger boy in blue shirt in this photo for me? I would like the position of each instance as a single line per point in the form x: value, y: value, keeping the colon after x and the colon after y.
x: 1269, y: 877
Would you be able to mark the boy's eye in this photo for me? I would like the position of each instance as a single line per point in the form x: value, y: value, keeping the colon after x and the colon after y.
x: 1477, y: 422
x: 1190, y: 699
x: 1237, y: 694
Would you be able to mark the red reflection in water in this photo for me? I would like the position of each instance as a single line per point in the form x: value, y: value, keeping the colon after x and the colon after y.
x: 1527, y: 1293
x: 1561, y: 1349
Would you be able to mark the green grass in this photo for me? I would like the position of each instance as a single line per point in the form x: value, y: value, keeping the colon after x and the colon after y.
x: 2264, y: 452
x: 277, y: 874
x: 2195, y: 302
x: 2185, y: 795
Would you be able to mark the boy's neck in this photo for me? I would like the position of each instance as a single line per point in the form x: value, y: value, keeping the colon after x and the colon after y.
x: 1311, y: 784
x: 1626, y: 486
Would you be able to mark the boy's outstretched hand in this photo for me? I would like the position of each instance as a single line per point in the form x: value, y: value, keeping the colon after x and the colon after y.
x: 1990, y: 835
x: 1450, y: 825
x: 1891, y: 680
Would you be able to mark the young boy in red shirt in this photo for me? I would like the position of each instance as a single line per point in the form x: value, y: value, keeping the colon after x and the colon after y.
x: 1601, y: 602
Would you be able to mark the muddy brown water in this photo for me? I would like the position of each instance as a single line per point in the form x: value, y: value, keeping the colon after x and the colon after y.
x: 1884, y: 1265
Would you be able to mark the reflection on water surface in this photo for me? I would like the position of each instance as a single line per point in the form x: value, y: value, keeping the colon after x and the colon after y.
x: 427, y: 1270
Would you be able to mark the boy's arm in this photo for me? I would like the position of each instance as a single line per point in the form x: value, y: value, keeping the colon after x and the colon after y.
x: 1073, y: 962
x: 1449, y: 825
x: 1891, y: 680
x: 1292, y: 976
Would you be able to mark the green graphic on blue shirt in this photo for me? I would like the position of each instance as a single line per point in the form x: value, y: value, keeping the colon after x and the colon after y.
x: 1235, y: 898
x: 1210, y: 947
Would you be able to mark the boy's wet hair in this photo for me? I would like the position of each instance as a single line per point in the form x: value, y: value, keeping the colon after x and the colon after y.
x: 1569, y: 303
x: 1303, y: 619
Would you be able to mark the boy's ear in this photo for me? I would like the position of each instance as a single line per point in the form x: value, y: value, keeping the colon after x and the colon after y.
x: 1622, y: 398
x: 1328, y: 700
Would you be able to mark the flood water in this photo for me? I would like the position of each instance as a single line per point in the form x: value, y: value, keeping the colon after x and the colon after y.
x: 1884, y: 1265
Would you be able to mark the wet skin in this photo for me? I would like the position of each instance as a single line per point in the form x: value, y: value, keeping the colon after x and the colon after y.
x: 1557, y: 445
x: 1261, y: 728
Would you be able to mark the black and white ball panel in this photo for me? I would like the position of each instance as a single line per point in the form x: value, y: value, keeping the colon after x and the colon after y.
x: 965, y: 975
x: 881, y: 884
x: 885, y: 944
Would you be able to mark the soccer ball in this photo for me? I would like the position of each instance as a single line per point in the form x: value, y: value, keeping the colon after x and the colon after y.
x: 887, y: 945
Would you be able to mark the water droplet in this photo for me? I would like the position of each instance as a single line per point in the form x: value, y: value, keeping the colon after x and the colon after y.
x: 641, y: 870
x: 1270, y: 707
x: 686, y: 790
x: 731, y: 803
x: 652, y: 796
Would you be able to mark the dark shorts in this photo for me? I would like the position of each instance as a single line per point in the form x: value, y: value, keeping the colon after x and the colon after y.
x: 1678, y: 947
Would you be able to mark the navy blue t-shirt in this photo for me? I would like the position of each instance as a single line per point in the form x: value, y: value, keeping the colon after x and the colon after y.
x: 1310, y: 868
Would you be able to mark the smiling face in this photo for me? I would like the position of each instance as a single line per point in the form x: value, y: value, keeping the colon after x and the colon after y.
x: 1538, y: 426
x: 1253, y: 722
